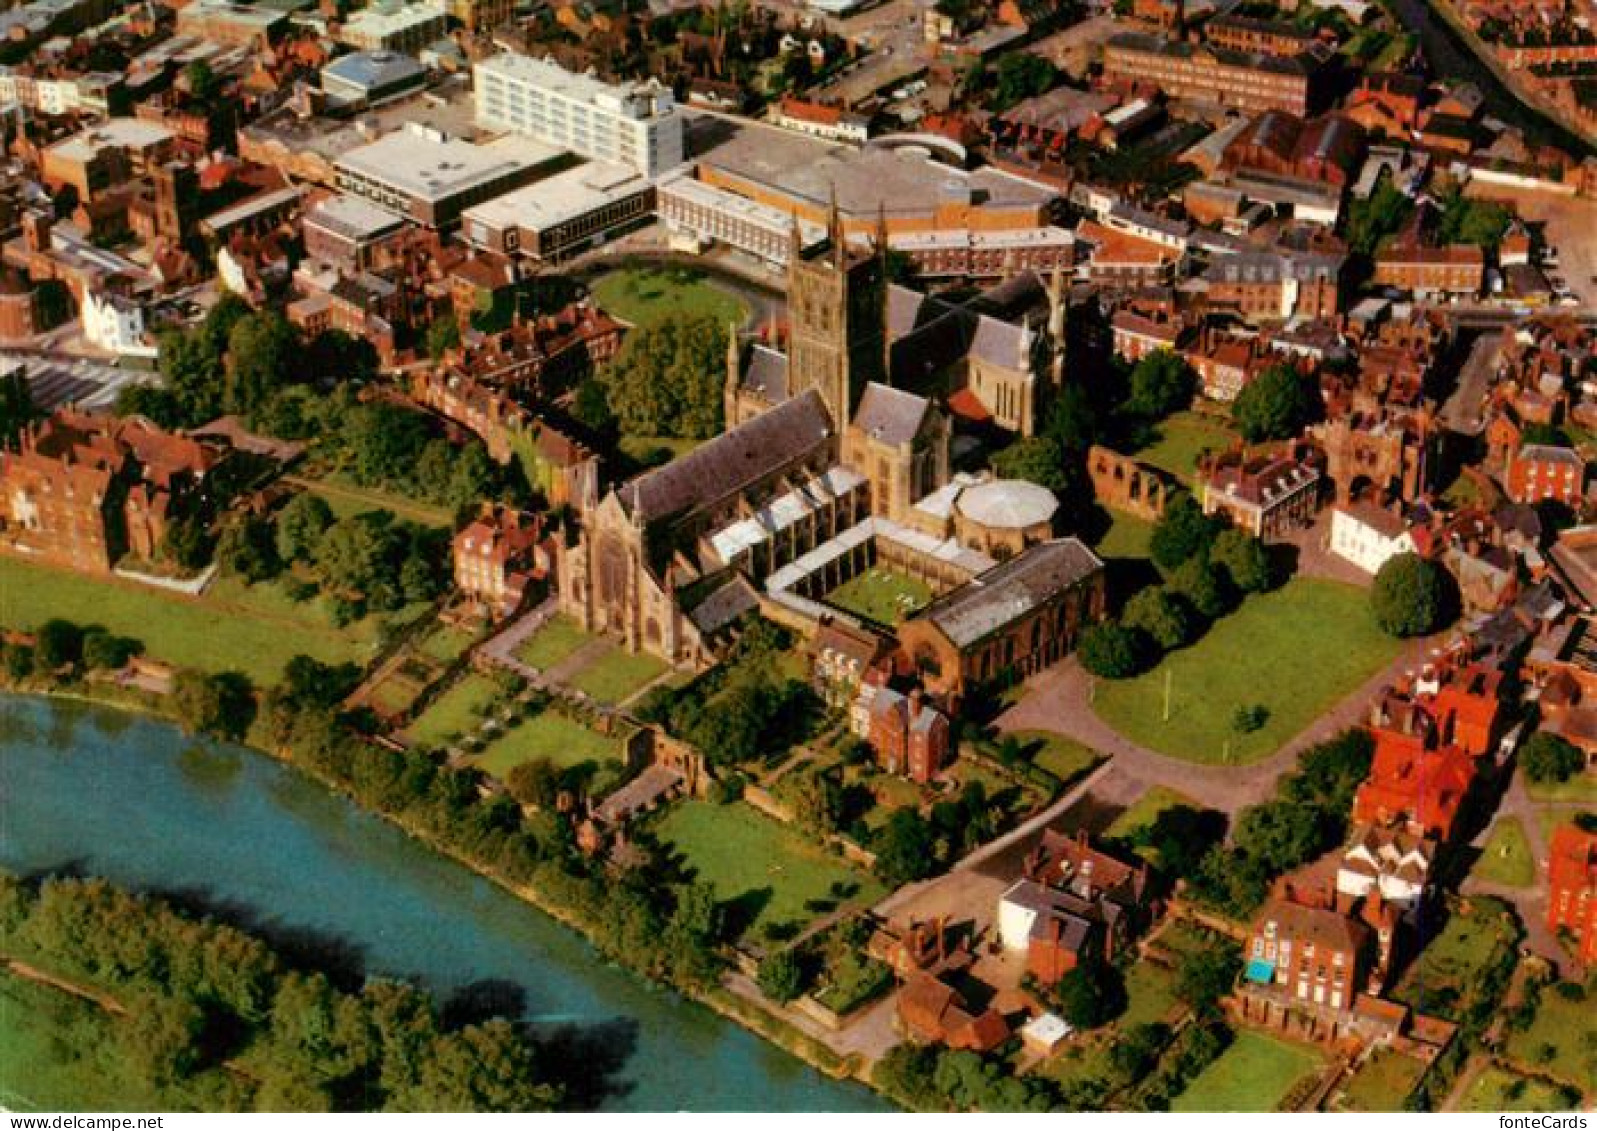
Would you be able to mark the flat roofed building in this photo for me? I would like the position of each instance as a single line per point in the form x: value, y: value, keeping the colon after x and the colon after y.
x: 1248, y: 82
x: 393, y: 25
x: 343, y: 229
x: 237, y: 25
x: 561, y: 214
x: 711, y: 214
x: 107, y: 154
x: 372, y: 76
x: 431, y: 179
x: 633, y: 124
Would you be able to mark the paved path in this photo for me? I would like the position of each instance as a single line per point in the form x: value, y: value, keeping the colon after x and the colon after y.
x: 1059, y: 700
x: 501, y: 647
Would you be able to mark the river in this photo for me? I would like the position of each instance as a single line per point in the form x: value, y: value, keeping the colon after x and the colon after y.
x: 1450, y: 57
x: 107, y: 793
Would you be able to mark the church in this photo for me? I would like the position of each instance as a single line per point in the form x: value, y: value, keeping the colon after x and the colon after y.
x: 827, y: 465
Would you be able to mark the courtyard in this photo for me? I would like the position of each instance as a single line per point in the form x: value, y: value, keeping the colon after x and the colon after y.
x: 1183, y: 439
x: 642, y: 295
x: 1295, y: 652
x: 883, y: 595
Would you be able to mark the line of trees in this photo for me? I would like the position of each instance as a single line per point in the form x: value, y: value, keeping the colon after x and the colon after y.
x: 202, y: 995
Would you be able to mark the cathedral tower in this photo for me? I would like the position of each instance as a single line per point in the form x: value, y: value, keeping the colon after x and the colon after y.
x: 837, y: 311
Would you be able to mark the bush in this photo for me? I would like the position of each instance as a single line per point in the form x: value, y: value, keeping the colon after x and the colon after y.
x: 1166, y: 618
x: 1549, y: 758
x: 781, y: 977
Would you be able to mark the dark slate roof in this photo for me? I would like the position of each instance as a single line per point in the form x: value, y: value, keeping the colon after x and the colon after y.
x: 1002, y: 343
x: 890, y: 415
x: 765, y: 375
x: 1011, y: 590
x: 723, y: 605
x: 731, y: 461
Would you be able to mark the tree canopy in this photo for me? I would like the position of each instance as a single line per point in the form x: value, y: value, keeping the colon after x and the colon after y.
x: 1275, y: 405
x: 668, y: 378
x: 1412, y: 596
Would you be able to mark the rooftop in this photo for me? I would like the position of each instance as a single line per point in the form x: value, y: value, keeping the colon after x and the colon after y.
x: 553, y: 200
x: 1012, y: 590
x: 426, y: 164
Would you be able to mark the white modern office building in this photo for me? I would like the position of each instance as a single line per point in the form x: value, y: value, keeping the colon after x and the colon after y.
x: 634, y: 124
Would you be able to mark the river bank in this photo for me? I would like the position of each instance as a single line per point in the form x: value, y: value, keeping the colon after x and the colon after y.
x: 56, y: 712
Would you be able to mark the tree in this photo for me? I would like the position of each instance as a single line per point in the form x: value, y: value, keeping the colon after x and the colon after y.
x: 1275, y: 405
x: 535, y: 783
x: 202, y: 81
x: 1089, y: 994
x: 246, y: 548
x: 1412, y: 596
x: 591, y: 406
x: 1370, y: 221
x: 17, y: 409
x: 668, y: 378
x: 1165, y: 617
x: 905, y: 848
x: 103, y: 651
x: 308, y: 682
x: 781, y: 977
x: 221, y: 705
x: 263, y: 355
x: 300, y: 527
x: 57, y: 644
x: 1111, y: 651
x: 192, y: 370
x: 1203, y: 585
x: 1206, y: 975
x: 442, y: 336
x: 162, y: 1038
x: 1037, y: 459
x: 1161, y: 383
x: 1022, y: 75
x: 187, y: 542
x: 337, y: 356
x: 1182, y: 532
x: 1243, y: 558
x: 1549, y: 758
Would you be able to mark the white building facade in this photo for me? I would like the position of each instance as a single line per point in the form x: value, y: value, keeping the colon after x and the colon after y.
x: 1367, y: 537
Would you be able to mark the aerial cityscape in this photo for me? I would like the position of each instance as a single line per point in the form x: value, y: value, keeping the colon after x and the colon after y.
x: 798, y: 556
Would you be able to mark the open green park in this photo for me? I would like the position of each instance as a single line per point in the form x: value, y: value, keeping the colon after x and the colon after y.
x: 1255, y: 1073
x: 1182, y: 440
x: 641, y: 295
x: 883, y: 595
x: 773, y: 873
x: 253, y: 629
x: 1558, y: 1040
x: 1296, y: 652
x: 1495, y: 1089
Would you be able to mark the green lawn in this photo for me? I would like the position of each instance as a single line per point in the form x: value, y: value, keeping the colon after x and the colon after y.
x: 445, y: 643
x: 1150, y: 994
x: 254, y: 630
x: 455, y: 713
x: 1145, y: 811
x: 882, y: 595
x: 619, y: 674
x: 548, y: 735
x: 648, y: 294
x: 1506, y: 856
x: 63, y: 1054
x: 1296, y: 651
x: 1254, y: 1074
x: 1496, y: 1089
x: 746, y: 855
x: 1561, y: 1028
x: 1062, y: 757
x: 1382, y: 1082
x: 1443, y: 979
x: 1184, y: 437
x: 347, y: 498
x: 1127, y: 537
x: 552, y: 643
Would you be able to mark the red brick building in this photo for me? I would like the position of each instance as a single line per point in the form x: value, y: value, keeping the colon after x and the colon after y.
x: 498, y: 556
x: 1572, y: 888
x: 909, y: 735
x: 83, y: 489
x: 1415, y: 784
x: 1546, y: 471
x: 1457, y: 269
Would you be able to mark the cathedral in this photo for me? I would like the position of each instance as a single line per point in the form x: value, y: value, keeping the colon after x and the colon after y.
x: 836, y: 455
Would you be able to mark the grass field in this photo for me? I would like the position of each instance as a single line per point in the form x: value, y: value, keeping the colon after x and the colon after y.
x: 1182, y: 439
x: 1254, y: 1074
x: 882, y: 595
x: 63, y: 1054
x: 1382, y: 1082
x: 749, y: 857
x: 1496, y: 1089
x: 552, y: 643
x: 1297, y: 652
x: 254, y: 630
x: 548, y: 735
x: 648, y: 294
x: 347, y: 498
x: 455, y: 713
x: 618, y: 675
x: 445, y: 644
x: 1559, y: 1041
x: 1145, y: 811
x: 1581, y: 789
x: 1506, y: 857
